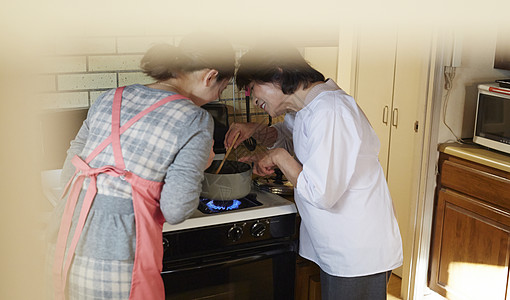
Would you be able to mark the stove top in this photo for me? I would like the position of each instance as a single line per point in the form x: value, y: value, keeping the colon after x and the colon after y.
x: 258, y: 204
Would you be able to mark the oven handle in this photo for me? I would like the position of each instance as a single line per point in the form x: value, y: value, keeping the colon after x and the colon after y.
x: 231, y: 262
x: 220, y: 263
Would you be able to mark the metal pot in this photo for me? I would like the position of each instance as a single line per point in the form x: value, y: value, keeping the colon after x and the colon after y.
x: 233, y: 181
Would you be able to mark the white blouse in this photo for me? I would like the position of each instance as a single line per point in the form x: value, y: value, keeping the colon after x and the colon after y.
x: 348, y: 224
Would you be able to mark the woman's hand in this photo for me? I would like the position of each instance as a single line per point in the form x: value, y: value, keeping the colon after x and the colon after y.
x: 263, y: 163
x: 211, y: 157
x: 266, y: 162
x: 246, y: 130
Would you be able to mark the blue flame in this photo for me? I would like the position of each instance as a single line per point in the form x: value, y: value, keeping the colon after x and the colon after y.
x: 215, y: 207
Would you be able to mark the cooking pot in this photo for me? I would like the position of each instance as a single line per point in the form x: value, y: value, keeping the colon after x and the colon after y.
x: 233, y: 181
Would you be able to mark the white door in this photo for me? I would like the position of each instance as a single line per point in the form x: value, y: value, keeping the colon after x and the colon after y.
x: 375, y: 68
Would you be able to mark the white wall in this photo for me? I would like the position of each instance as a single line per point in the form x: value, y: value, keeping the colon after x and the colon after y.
x: 477, y: 60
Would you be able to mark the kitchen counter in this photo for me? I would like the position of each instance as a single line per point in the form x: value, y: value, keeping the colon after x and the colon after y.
x: 478, y: 154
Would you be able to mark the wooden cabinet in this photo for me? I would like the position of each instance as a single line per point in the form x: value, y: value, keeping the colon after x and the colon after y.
x: 308, y: 285
x: 470, y: 248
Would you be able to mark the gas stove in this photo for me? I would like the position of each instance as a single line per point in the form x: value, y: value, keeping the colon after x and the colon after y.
x: 240, y: 249
x: 258, y: 204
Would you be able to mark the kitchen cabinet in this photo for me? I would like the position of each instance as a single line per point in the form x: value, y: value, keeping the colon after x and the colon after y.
x: 388, y: 72
x: 470, y: 247
x: 308, y: 285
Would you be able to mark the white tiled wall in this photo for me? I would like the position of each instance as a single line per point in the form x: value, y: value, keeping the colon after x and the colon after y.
x: 77, y: 70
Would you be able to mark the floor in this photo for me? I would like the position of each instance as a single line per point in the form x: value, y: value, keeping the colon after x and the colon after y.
x: 394, y: 288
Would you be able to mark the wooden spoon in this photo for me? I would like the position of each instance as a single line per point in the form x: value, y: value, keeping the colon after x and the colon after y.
x: 228, y: 152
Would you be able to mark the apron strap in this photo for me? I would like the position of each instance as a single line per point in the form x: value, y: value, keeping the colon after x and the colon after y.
x: 129, y: 123
x: 117, y: 150
x: 60, y: 275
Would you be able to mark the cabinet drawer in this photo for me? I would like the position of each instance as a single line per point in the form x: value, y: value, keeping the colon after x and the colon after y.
x: 480, y: 184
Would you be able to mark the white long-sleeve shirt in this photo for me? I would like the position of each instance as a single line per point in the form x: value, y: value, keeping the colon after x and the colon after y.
x: 348, y: 224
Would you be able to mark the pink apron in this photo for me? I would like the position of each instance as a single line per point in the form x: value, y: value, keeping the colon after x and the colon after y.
x: 146, y: 282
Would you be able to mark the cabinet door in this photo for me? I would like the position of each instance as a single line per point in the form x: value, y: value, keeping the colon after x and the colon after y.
x: 308, y: 284
x: 374, y: 83
x: 470, y: 248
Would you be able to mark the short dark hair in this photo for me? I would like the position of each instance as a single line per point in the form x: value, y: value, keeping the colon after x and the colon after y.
x: 196, y: 51
x: 281, y: 65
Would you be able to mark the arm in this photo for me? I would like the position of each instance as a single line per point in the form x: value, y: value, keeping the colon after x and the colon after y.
x: 182, y: 185
x: 266, y: 135
x: 277, y: 136
x: 280, y: 158
x: 263, y: 134
x: 284, y: 134
x: 332, y: 152
x: 76, y: 148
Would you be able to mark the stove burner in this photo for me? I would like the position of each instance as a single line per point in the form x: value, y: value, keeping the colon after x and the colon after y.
x: 210, y: 206
x: 223, y: 205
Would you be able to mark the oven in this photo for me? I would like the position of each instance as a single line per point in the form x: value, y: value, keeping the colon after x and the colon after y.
x: 226, y: 253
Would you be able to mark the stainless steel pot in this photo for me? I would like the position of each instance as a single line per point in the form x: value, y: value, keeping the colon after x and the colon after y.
x: 233, y: 181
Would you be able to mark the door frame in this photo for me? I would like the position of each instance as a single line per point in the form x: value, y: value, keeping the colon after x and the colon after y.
x: 417, y: 285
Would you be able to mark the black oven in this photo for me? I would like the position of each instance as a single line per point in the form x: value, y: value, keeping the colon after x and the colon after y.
x: 252, y: 259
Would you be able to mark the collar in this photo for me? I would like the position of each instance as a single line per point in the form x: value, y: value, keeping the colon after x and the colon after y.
x: 329, y: 85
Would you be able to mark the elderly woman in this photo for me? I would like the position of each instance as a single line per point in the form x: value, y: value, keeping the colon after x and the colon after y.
x: 328, y: 150
x: 138, y: 161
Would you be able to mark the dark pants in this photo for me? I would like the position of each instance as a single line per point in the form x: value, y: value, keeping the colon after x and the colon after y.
x: 370, y: 287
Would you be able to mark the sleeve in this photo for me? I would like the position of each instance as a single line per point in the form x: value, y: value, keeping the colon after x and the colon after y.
x: 284, y: 129
x: 80, y: 140
x: 75, y: 148
x: 183, y: 181
x: 333, y: 147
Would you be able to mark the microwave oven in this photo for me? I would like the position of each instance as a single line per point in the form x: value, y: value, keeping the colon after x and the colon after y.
x: 492, y: 121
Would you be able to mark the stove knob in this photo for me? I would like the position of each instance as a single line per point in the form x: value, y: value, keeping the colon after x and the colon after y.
x: 258, y: 229
x: 235, y: 233
x: 166, y: 244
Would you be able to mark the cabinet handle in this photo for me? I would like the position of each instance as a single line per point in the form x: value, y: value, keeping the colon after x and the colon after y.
x: 394, y: 117
x: 385, y: 114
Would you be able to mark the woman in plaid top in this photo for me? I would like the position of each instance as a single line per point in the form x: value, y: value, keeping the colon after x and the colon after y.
x: 172, y: 144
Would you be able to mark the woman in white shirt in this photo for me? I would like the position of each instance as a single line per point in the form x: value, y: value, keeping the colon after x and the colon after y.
x: 327, y: 149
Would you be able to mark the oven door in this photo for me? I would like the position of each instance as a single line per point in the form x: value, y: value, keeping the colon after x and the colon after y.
x: 262, y: 272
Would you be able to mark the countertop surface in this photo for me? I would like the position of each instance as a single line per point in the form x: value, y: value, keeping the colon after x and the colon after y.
x: 478, y: 154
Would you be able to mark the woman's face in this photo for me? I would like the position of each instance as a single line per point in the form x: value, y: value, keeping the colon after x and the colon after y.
x: 222, y: 85
x: 212, y: 92
x: 269, y: 97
